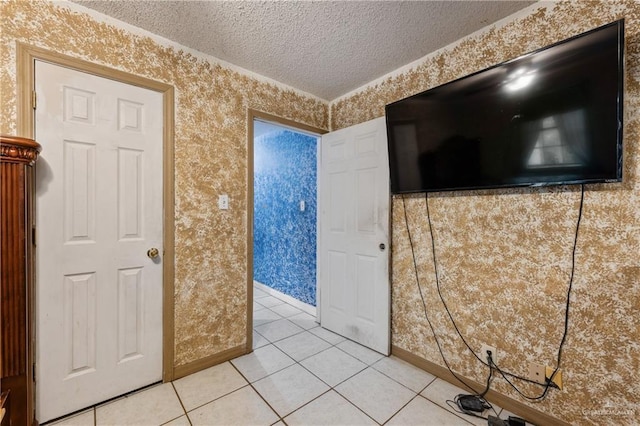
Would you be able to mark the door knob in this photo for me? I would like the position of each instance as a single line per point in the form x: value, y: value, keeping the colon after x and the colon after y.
x: 153, y: 253
x: 382, y: 246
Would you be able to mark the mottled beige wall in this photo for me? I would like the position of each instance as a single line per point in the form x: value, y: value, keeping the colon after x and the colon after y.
x: 504, y: 256
x: 210, y: 155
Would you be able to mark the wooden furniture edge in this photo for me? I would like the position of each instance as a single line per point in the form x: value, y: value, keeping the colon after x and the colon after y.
x: 17, y: 157
x: 18, y: 149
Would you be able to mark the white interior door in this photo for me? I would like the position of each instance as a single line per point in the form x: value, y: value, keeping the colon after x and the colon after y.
x: 99, y: 209
x: 353, y: 258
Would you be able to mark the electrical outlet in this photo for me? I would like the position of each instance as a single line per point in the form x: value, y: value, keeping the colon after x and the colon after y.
x: 494, y: 353
x: 557, y: 378
x: 541, y: 373
x: 537, y: 373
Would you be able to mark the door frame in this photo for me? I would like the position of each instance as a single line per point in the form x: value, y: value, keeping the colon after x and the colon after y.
x: 26, y: 55
x: 253, y: 114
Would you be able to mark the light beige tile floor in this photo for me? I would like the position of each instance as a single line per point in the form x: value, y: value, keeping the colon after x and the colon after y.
x: 298, y: 374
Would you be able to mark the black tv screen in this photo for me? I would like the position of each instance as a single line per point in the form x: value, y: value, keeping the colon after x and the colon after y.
x: 553, y: 116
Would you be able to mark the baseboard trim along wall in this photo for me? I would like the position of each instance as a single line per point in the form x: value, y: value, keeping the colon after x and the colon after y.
x: 210, y: 361
x: 515, y: 407
x: 305, y: 307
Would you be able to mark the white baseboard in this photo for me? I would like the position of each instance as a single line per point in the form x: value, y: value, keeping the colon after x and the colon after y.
x: 311, y: 310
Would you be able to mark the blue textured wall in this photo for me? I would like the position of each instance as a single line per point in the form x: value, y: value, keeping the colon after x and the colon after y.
x: 284, y: 250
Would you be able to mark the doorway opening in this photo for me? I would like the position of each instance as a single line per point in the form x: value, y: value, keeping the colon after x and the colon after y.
x: 285, y: 213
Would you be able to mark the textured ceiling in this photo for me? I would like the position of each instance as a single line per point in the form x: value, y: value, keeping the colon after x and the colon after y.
x: 326, y: 48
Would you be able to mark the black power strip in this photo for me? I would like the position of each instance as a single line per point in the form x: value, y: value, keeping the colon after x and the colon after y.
x: 513, y: 421
x: 497, y: 421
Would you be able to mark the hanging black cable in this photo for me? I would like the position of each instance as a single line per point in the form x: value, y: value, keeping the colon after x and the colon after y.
x: 424, y: 305
x: 504, y: 374
x: 435, y: 268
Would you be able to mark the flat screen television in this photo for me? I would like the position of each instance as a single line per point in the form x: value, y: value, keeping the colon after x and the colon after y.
x: 553, y: 116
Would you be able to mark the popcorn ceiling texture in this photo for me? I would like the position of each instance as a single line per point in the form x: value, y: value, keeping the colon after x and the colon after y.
x: 210, y: 156
x: 504, y: 256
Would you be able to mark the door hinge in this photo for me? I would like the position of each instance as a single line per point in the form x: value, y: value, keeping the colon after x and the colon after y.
x: 34, y: 99
x: 34, y: 372
x: 33, y: 236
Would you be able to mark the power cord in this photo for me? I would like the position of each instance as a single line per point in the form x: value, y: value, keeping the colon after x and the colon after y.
x: 549, y: 382
x: 471, y: 405
x: 446, y: 307
x: 463, y: 402
x: 424, y: 305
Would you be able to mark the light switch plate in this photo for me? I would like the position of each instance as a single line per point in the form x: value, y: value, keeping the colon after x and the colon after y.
x: 223, y: 202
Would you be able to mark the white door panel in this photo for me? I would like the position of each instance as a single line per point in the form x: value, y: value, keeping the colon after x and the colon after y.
x: 99, y: 209
x: 354, y: 222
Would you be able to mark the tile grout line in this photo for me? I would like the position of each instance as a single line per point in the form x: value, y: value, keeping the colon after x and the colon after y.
x: 184, y: 409
x: 280, y: 418
x: 331, y: 388
x: 401, y: 408
x: 280, y: 317
x: 402, y: 384
x: 367, y: 365
x: 216, y: 398
x: 291, y: 335
x: 248, y: 383
x: 94, y: 407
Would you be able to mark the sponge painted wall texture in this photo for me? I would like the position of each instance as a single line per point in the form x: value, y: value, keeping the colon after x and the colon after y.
x: 284, y: 248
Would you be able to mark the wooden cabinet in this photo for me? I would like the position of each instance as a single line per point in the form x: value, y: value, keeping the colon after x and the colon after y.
x: 5, y: 414
x: 17, y: 157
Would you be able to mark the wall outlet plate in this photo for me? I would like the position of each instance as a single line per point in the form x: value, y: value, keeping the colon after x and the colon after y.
x: 540, y: 373
x: 537, y: 373
x: 494, y: 353
x: 557, y: 378
x: 223, y: 202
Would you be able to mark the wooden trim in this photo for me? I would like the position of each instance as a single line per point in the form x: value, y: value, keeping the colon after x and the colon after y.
x: 25, y: 76
x: 31, y: 296
x: 249, y: 254
x: 530, y: 414
x: 17, y: 149
x: 26, y: 56
x: 252, y: 115
x: 169, y: 239
x: 210, y: 361
x: 294, y: 125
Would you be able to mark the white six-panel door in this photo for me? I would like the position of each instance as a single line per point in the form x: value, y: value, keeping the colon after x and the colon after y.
x: 354, y: 231
x: 99, y: 209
